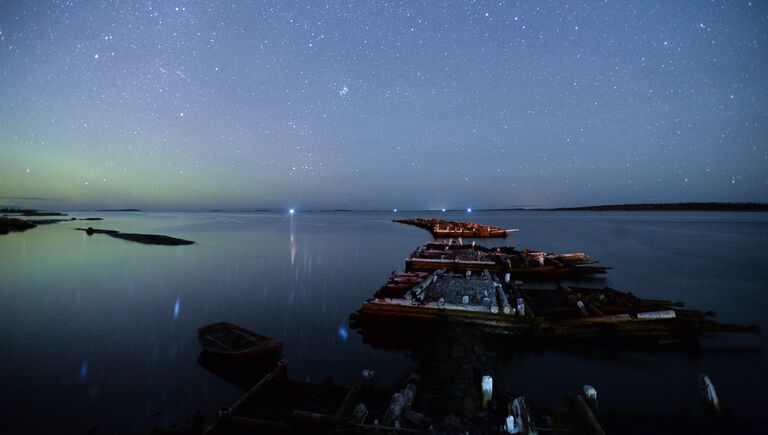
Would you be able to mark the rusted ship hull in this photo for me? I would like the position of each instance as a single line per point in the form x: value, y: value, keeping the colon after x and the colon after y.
x: 534, y: 271
x: 518, y: 264
x: 482, y: 301
x: 378, y: 314
x: 452, y: 229
x: 468, y: 234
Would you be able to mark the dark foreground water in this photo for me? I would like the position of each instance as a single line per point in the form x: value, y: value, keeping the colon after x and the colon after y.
x: 97, y: 332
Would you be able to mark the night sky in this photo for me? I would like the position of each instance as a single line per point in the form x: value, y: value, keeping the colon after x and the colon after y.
x: 240, y: 105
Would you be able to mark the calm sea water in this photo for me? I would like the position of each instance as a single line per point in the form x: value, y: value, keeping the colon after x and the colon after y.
x: 100, y: 332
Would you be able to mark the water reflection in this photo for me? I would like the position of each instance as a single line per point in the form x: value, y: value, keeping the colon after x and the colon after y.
x: 83, y: 371
x: 293, y: 241
x: 67, y: 299
x: 176, y: 307
x: 343, y: 333
x: 242, y: 373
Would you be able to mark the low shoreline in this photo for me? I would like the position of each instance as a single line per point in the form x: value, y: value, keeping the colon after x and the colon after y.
x: 682, y: 206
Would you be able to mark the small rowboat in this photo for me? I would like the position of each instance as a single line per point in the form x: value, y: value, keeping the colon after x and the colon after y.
x: 224, y: 338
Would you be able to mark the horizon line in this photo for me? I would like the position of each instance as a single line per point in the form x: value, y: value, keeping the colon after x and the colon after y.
x: 398, y: 210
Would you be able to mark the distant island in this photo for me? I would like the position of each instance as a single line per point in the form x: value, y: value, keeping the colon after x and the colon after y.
x: 30, y: 212
x: 122, y: 209
x: 681, y: 206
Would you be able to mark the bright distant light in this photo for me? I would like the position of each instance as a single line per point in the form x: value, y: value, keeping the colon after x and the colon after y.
x: 291, y: 211
x: 469, y: 210
x: 395, y: 210
x: 443, y: 210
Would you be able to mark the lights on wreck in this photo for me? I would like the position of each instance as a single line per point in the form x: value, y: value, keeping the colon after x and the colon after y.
x: 443, y: 210
x: 469, y: 210
x: 291, y: 211
x: 394, y: 210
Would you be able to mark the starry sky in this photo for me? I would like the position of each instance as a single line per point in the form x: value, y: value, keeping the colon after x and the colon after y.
x: 186, y: 105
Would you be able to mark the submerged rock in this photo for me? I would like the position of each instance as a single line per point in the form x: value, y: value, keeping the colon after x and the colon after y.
x: 47, y: 221
x: 148, y: 239
x: 152, y: 239
x: 42, y: 213
x: 91, y: 231
x: 8, y: 224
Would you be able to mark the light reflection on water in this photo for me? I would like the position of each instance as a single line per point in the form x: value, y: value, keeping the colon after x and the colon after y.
x: 343, y: 333
x: 176, y: 307
x: 293, y: 242
x: 83, y: 370
x: 99, y: 307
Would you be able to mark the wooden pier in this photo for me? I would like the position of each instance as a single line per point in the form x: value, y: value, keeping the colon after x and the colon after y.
x: 279, y: 405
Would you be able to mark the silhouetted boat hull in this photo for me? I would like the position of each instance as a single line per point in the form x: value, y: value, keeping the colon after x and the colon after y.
x: 226, y: 339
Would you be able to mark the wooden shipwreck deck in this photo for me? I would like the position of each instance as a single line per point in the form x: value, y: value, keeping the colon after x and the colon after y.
x: 481, y: 300
x: 523, y: 264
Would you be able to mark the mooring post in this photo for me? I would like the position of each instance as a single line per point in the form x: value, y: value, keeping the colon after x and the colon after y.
x: 487, y: 387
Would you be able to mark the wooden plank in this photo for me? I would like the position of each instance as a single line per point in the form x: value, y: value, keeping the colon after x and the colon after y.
x: 349, y: 402
x: 256, y: 388
x: 587, y: 417
x: 256, y: 425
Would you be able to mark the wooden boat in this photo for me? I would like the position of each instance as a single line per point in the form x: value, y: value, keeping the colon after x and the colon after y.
x: 224, y: 338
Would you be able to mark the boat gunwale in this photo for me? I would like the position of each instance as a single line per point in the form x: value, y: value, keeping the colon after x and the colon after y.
x: 265, y: 344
